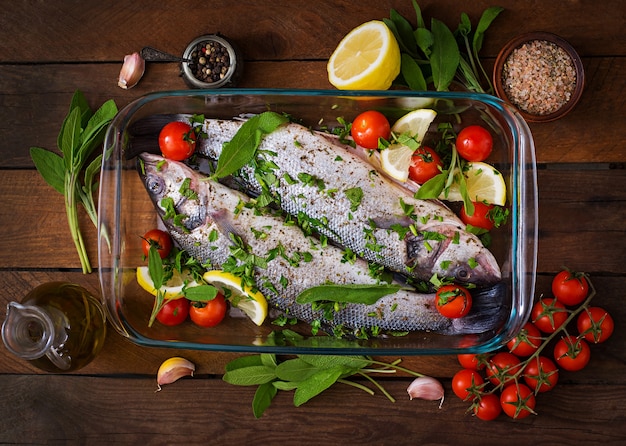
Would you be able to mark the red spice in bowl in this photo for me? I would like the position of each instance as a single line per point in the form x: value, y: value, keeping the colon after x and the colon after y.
x: 540, y: 74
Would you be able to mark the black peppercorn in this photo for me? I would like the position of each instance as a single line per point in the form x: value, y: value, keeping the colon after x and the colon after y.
x: 210, y: 62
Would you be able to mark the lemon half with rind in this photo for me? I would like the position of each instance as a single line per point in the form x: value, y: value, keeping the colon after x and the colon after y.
x: 250, y: 301
x: 172, y: 289
x: 367, y: 58
x: 484, y: 183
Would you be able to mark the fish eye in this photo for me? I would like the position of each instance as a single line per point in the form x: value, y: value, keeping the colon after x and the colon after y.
x: 154, y: 184
x: 462, y: 274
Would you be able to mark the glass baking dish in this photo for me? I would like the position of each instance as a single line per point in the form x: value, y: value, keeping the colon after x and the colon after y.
x: 126, y: 213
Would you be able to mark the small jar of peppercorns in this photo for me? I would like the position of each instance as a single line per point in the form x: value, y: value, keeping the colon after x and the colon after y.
x: 211, y: 61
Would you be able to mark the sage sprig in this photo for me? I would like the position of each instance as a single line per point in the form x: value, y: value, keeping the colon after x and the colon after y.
x: 81, y: 133
x: 437, y: 55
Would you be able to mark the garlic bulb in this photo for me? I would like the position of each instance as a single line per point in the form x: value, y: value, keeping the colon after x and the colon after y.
x: 173, y: 369
x: 132, y: 70
x: 426, y: 388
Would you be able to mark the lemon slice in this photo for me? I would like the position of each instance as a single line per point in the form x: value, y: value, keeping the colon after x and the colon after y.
x: 172, y: 289
x: 484, y: 183
x: 367, y: 58
x: 395, y: 161
x: 416, y: 123
x: 251, y: 302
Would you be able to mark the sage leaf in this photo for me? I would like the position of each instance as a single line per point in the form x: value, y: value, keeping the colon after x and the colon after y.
x: 356, y: 294
x: 70, y: 140
x: 249, y: 376
x: 50, y: 166
x: 268, y: 359
x: 412, y: 73
x: 316, y: 384
x: 201, y: 293
x: 263, y: 397
x: 445, y: 56
x: 243, y: 362
x: 328, y: 361
x: 285, y: 385
x: 155, y: 267
x: 295, y: 370
x: 241, y: 149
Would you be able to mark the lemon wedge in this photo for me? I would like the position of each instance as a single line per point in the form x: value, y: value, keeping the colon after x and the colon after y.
x: 251, y: 302
x: 484, y: 183
x: 172, y: 289
x: 416, y: 123
x: 367, y: 58
x: 395, y: 161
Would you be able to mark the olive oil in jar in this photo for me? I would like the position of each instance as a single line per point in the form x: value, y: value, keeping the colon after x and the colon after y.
x: 58, y: 327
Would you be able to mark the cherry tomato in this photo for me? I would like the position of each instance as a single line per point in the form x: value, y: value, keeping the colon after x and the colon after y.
x: 488, y: 407
x: 501, y: 367
x: 467, y: 383
x: 474, y: 143
x: 472, y: 361
x: 541, y: 374
x: 570, y: 288
x: 571, y: 353
x: 208, y: 314
x: 517, y: 400
x: 161, y: 241
x: 480, y: 218
x: 526, y: 342
x: 595, y: 324
x: 548, y: 314
x: 453, y: 301
x: 177, y: 141
x: 425, y: 164
x: 174, y: 312
x: 368, y: 127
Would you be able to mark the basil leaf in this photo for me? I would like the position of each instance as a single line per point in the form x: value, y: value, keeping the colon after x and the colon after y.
x: 412, y: 73
x: 263, y: 397
x: 50, y: 167
x: 241, y: 149
x: 432, y: 188
x: 355, y: 294
x: 445, y: 56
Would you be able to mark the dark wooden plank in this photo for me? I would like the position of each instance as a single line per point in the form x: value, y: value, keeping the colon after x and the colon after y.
x: 105, y: 410
x: 274, y: 31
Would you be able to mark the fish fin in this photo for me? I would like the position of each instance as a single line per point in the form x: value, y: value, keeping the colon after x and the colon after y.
x: 391, y: 221
x: 221, y: 219
x: 490, y: 309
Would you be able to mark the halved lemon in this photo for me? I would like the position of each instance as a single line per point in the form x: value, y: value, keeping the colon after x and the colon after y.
x: 251, y: 302
x: 395, y: 161
x: 172, y: 289
x: 416, y: 123
x: 484, y: 183
x: 367, y: 58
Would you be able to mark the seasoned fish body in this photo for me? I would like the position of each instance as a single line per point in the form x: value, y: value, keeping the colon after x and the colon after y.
x: 344, y: 198
x: 218, y: 227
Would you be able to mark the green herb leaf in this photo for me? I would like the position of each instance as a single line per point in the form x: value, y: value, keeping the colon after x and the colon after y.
x: 249, y: 376
x: 201, y: 293
x: 243, y: 362
x: 432, y: 188
x: 316, y: 384
x: 241, y: 149
x: 445, y: 56
x: 357, y: 294
x: 488, y: 16
x: 354, y: 195
x: 263, y: 397
x: 412, y: 73
x: 328, y: 361
x: 296, y: 370
x: 50, y: 166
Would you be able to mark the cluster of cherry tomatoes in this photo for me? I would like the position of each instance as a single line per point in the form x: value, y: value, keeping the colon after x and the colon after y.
x: 176, y: 311
x: 509, y: 381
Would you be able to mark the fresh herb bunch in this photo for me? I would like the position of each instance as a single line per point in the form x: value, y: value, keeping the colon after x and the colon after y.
x: 81, y: 133
x: 437, y: 55
x: 306, y: 375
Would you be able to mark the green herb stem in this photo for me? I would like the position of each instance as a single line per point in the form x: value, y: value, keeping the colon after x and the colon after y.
x: 71, y: 210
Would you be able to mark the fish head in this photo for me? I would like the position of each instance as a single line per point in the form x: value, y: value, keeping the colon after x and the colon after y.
x: 174, y: 190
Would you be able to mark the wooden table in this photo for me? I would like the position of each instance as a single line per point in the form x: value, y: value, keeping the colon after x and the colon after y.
x: 50, y: 49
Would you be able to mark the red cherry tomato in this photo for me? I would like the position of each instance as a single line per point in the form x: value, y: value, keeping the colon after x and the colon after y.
x: 595, y: 324
x: 161, y: 241
x: 467, y: 383
x: 177, y: 141
x: 174, y: 312
x: 517, y: 401
x: 541, y: 374
x: 425, y: 164
x: 526, y: 342
x: 570, y: 288
x: 472, y: 361
x: 474, y: 143
x: 453, y: 301
x: 548, y: 314
x: 480, y: 218
x: 368, y: 127
x: 208, y: 314
x: 501, y: 367
x: 488, y: 407
x: 571, y: 353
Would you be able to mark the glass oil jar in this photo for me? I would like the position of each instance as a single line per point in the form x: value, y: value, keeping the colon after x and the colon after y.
x: 57, y: 327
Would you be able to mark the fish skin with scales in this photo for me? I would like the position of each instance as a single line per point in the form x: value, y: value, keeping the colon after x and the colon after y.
x: 216, y: 213
x: 312, y: 173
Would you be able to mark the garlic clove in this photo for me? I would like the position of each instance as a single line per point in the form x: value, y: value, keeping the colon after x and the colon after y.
x: 132, y: 71
x: 173, y: 369
x: 427, y: 388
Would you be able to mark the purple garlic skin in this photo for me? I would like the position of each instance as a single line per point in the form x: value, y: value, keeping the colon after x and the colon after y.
x: 132, y: 71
